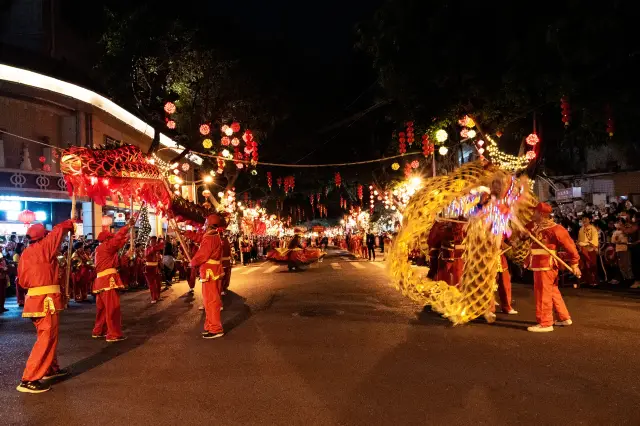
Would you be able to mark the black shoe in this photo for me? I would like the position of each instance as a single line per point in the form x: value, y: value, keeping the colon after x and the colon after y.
x: 208, y: 335
x: 34, y: 386
x: 117, y: 339
x: 190, y: 291
x: 60, y: 373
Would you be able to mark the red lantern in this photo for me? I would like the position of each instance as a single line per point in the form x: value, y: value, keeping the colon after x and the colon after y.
x: 107, y: 221
x: 169, y: 108
x: 610, y: 123
x: 530, y: 155
x: 415, y: 164
x: 269, y: 180
x: 27, y: 217
x: 279, y: 182
x: 225, y: 141
x: 235, y: 141
x: 171, y: 124
x: 205, y: 129
x: 566, y: 110
x: 206, y: 193
x: 235, y: 126
x: 338, y: 179
x: 311, y: 198
x: 360, y: 192
x: 42, y: 159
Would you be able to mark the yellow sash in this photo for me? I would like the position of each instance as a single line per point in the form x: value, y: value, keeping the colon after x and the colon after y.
x: 106, y: 272
x: 47, y: 289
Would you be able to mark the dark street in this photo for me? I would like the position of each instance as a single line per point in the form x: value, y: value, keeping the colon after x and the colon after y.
x: 334, y: 345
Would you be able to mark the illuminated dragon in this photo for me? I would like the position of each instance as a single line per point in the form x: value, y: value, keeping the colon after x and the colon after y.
x: 507, y: 200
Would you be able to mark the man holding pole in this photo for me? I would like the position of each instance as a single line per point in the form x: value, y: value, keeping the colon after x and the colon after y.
x: 209, y: 259
x: 543, y: 261
x: 152, y: 257
x: 38, y: 274
x: 108, y: 281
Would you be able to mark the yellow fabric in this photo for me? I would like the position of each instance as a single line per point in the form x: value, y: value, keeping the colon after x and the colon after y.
x: 213, y: 262
x: 106, y: 272
x: 588, y: 237
x: 48, y: 305
x: 16, y: 258
x: 151, y: 264
x: 537, y: 252
x: 47, y: 289
x: 226, y: 258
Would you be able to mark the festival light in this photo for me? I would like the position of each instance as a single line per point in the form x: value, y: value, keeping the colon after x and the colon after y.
x: 207, y: 179
x: 205, y: 129
x: 441, y: 135
x: 443, y: 150
x: 169, y: 108
x: 471, y: 133
x: 207, y: 143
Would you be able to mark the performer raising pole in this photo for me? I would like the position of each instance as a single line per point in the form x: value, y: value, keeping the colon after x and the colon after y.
x: 38, y: 273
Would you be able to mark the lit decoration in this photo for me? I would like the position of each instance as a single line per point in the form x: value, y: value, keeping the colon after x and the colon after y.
x: 228, y: 131
x: 289, y: 184
x: 318, y: 197
x: 42, y: 159
x: 499, y: 134
x: 402, y: 143
x: 443, y: 150
x: 427, y: 146
x: 532, y: 139
x: 185, y: 167
x: 269, y: 180
x: 224, y: 129
x: 169, y: 107
x: 474, y: 296
x: 27, y: 217
x: 107, y: 221
x: 441, y: 135
x: 254, y: 172
x: 480, y: 142
x: 471, y: 133
x: 235, y: 126
x: 205, y: 129
x: 46, y: 168
x: 207, y: 143
x: 467, y: 121
x: 481, y: 150
x: 530, y: 155
x: 279, y: 182
x: 226, y: 153
x: 119, y: 172
x: 507, y: 162
x: 338, y: 179
x: 565, y: 109
x: 464, y: 133
x: 144, y: 226
x: 395, y: 166
x: 206, y: 193
x: 235, y: 141
x: 176, y: 171
x: 360, y: 192
x: 225, y: 141
x: 171, y: 124
x: 407, y: 169
x: 415, y: 164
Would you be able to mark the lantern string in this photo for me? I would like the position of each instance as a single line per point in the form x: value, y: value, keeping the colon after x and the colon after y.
x: 258, y: 163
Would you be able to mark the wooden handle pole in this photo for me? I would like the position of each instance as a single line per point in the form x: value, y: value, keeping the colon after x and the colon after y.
x: 69, y: 248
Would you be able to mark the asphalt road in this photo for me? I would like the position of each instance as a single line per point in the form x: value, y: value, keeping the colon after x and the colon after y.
x: 334, y: 345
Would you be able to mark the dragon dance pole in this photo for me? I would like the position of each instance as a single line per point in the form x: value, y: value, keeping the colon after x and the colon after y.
x: 68, y: 272
x: 174, y: 225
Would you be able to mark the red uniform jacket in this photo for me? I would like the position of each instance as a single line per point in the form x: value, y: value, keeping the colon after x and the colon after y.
x: 38, y: 267
x: 452, y: 239
x: 209, y: 257
x: 153, y: 255
x: 553, y: 236
x: 107, y: 262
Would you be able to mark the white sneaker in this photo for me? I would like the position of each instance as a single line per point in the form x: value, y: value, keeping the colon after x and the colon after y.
x: 564, y: 323
x: 201, y: 308
x: 540, y: 329
x: 153, y: 302
x: 636, y: 285
x: 512, y: 312
x: 614, y: 282
x: 490, y: 317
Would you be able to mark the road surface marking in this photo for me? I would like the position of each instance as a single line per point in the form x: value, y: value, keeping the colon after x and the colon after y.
x: 379, y: 264
x: 348, y: 259
x: 336, y: 266
x: 271, y: 269
x: 250, y: 270
x: 357, y: 265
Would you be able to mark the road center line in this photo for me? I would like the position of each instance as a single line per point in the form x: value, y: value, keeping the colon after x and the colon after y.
x: 336, y: 266
x: 379, y: 265
x: 250, y: 270
x: 357, y: 265
x: 271, y: 269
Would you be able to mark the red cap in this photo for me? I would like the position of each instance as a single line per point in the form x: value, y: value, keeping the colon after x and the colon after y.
x: 104, y: 236
x: 214, y: 220
x: 36, y: 232
x: 544, y: 208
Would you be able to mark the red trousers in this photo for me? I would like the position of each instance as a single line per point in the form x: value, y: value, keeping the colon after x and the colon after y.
x: 504, y: 291
x: 548, y: 298
x: 125, y: 276
x: 43, y: 359
x: 81, y: 283
x: 192, y: 273
x: 154, y: 281
x: 108, y: 314
x: 450, y: 271
x: 589, y: 267
x: 212, y: 304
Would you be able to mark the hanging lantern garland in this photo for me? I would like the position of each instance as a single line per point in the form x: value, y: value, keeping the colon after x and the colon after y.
x: 338, y: 179
x: 427, y: 146
x: 269, y: 180
x: 410, y: 135
x: 169, y: 109
x: 360, y: 193
x: 402, y: 143
x: 610, y: 122
x: 566, y: 110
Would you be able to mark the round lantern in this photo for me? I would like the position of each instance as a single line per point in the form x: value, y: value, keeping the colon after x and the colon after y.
x: 106, y: 221
x: 27, y: 217
x: 532, y: 139
x: 206, y: 193
x: 443, y: 150
x: 169, y: 108
x: 207, y: 143
x: 204, y: 129
x: 442, y: 135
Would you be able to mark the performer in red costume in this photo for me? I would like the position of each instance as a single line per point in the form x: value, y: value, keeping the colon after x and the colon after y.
x: 504, y: 286
x: 451, y: 265
x: 125, y: 267
x: 226, y: 263
x: 82, y: 274
x: 153, y: 257
x: 545, y: 268
x: 108, y: 281
x: 38, y: 273
x: 209, y: 259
